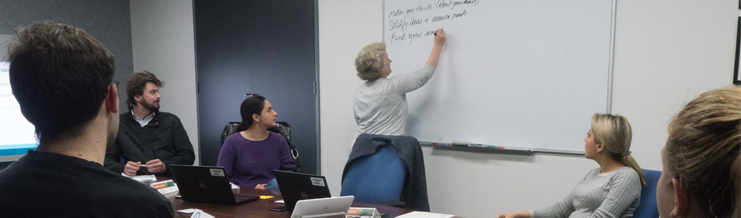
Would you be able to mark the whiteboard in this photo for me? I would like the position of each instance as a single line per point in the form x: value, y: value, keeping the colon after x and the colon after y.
x: 513, y: 73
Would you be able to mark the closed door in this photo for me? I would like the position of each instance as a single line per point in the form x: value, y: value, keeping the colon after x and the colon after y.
x: 264, y: 47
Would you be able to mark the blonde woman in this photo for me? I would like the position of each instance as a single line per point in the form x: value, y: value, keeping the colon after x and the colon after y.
x: 380, y: 104
x: 701, y: 174
x: 613, y: 189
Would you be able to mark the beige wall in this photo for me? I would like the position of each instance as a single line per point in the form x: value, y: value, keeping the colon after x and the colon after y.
x: 164, y: 44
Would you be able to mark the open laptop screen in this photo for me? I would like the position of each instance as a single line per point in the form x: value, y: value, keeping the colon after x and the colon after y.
x: 300, y: 186
x: 205, y: 184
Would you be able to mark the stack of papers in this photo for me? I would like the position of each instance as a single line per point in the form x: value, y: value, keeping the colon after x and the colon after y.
x: 363, y: 212
x: 165, y: 187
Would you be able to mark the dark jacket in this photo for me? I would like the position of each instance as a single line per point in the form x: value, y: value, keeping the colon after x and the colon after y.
x: 163, y: 138
x: 414, y: 191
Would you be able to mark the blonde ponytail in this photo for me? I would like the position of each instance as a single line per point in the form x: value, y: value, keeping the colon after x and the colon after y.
x: 629, y: 161
x: 615, y: 133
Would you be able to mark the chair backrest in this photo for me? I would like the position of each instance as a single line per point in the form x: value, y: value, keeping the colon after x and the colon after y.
x: 229, y: 129
x: 375, y: 178
x: 647, y: 207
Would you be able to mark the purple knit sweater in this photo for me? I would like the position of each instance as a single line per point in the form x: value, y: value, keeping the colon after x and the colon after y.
x: 248, y: 163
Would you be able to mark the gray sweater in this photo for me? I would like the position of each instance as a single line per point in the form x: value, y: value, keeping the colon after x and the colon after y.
x: 380, y: 106
x: 614, y: 194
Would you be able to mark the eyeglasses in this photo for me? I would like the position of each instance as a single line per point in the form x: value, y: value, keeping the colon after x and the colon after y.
x: 115, y: 82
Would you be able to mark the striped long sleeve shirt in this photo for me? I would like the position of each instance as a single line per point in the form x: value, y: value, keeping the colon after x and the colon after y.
x: 610, y: 195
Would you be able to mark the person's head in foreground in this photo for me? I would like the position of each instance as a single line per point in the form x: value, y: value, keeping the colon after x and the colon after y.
x: 701, y: 174
x: 62, y: 79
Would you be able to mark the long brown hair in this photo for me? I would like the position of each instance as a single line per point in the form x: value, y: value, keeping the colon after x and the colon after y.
x: 703, y: 151
x: 614, y: 132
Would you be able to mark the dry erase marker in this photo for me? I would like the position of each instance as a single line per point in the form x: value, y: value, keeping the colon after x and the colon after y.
x: 460, y: 143
x: 478, y: 145
x: 441, y: 29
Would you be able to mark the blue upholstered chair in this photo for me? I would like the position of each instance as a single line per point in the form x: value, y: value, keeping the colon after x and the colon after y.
x: 376, y: 179
x: 648, y: 208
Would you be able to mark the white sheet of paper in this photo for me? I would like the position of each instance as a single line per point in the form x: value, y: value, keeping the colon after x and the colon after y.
x: 280, y: 202
x: 189, y: 210
x: 418, y: 214
x: 142, y: 178
x: 200, y: 214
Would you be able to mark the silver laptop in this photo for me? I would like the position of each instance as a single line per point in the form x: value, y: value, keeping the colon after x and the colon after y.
x: 323, y: 207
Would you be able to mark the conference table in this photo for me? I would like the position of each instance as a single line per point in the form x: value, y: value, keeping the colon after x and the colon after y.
x: 258, y: 208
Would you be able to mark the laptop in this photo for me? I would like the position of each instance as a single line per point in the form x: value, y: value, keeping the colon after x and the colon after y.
x: 206, y: 184
x: 300, y: 186
x: 323, y: 207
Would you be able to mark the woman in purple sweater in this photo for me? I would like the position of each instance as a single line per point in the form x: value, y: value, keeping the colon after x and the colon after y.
x: 250, y: 155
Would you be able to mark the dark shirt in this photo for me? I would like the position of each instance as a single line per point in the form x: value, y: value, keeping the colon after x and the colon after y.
x: 43, y: 184
x: 163, y: 138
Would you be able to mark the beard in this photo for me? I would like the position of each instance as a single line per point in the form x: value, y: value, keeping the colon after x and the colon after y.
x: 154, y: 107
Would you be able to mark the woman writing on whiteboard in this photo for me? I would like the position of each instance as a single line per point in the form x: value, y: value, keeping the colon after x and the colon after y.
x: 613, y: 189
x: 380, y: 104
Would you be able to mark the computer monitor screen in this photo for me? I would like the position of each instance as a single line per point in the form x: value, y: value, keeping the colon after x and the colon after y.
x: 16, y: 133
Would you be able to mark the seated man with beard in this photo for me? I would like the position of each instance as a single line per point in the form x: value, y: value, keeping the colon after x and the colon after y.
x: 147, y: 136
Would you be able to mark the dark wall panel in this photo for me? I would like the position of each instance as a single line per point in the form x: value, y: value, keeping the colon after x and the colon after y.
x: 265, y: 47
x: 108, y: 21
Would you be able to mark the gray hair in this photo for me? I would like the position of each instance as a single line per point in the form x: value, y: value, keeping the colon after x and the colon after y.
x: 369, y: 63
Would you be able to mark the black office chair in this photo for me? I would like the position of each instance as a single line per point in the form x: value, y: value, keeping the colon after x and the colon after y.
x: 283, y: 128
